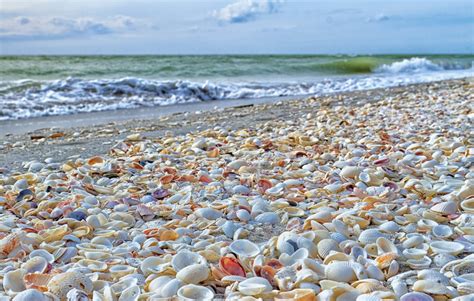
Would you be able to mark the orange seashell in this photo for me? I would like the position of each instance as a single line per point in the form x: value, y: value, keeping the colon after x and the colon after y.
x: 205, y: 179
x: 95, y: 160
x: 136, y: 165
x: 152, y: 232
x: 170, y: 170
x: 37, y: 281
x: 166, y: 179
x: 264, y: 184
x: 213, y: 153
x: 384, y: 260
x: 275, y: 263
x: 217, y: 273
x: 9, y: 243
x: 268, y: 273
x: 231, y: 266
x: 298, y: 294
x: 280, y: 163
x: 187, y: 178
x: 168, y: 235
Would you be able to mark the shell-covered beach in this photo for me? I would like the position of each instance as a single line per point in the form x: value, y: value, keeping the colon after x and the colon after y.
x: 364, y: 195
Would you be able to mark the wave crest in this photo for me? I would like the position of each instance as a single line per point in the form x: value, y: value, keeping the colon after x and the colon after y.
x: 412, y: 65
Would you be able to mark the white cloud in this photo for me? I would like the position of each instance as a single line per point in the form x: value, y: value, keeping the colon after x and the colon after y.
x: 378, y: 18
x: 22, y: 27
x: 246, y: 10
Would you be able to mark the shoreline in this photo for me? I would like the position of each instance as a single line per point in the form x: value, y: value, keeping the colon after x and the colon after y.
x: 95, y: 138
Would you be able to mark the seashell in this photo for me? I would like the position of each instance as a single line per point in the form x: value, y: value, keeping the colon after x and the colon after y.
x: 468, y: 205
x: 431, y: 287
x: 268, y: 218
x: 243, y: 215
x: 208, y: 213
x: 158, y: 283
x: 350, y: 172
x: 37, y: 281
x: 13, y: 281
x: 442, y: 231
x: 131, y: 293
x: 414, y: 253
x: 413, y: 241
x: 340, y: 271
x: 445, y: 208
x: 244, y: 248
x: 9, y: 243
x: 193, y: 274
x: 433, y: 275
x: 446, y: 247
x: 229, y: 229
x: 385, y: 246
x: 186, y: 258
x: 419, y: 264
x: 77, y: 295
x: 442, y: 259
x: 299, y: 294
x: 35, y: 264
x: 254, y: 286
x: 30, y: 294
x: 325, y: 246
x: 231, y: 266
x: 61, y: 284
x: 370, y: 236
x: 416, y: 296
x: 195, y: 292
x: 389, y: 227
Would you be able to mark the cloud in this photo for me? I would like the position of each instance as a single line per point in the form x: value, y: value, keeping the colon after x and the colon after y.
x: 246, y: 10
x: 378, y: 18
x: 30, y: 28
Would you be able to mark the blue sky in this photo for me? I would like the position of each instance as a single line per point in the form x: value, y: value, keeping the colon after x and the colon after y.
x: 235, y: 26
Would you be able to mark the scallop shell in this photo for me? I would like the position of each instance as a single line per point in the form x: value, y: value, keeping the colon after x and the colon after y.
x: 37, y: 281
x: 370, y: 236
x: 445, y: 208
x: 195, y: 292
x: 185, y: 258
x: 244, y: 248
x: 340, y: 271
x: 193, y: 274
x: 61, y: 284
x: 254, y: 286
x: 325, y: 246
x: 446, y: 247
x: 416, y: 296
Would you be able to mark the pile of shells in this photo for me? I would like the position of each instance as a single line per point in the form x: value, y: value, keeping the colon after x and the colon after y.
x: 368, y: 202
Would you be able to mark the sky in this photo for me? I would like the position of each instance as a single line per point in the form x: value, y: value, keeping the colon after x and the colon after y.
x: 236, y: 27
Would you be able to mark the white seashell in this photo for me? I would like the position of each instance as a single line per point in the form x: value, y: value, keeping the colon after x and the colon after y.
x: 208, y: 213
x: 419, y: 264
x: 350, y: 172
x: 244, y: 248
x: 468, y: 205
x: 193, y: 274
x: 13, y: 281
x: 442, y: 259
x: 413, y: 241
x: 243, y: 215
x: 431, y: 287
x: 241, y: 189
x: 268, y: 218
x: 385, y: 246
x: 442, y: 231
x: 130, y: 294
x: 399, y: 287
x: 433, y: 275
x: 193, y: 292
x: 445, y: 208
x: 171, y: 288
x: 446, y: 247
x: 229, y: 229
x: 370, y: 236
x: 416, y: 296
x: 340, y: 271
x: 297, y: 256
x: 42, y: 253
x: 375, y: 272
x: 414, y: 253
x: 254, y: 286
x: 35, y: 264
x: 390, y: 227
x: 327, y: 245
x: 237, y: 164
x: 186, y: 258
x: 30, y: 294
x: 158, y: 283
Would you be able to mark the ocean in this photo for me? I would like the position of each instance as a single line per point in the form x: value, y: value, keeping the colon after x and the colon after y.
x: 33, y: 86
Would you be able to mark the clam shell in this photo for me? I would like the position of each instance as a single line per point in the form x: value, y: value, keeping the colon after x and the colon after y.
x: 325, y: 246
x: 385, y: 246
x: 195, y: 292
x: 389, y: 227
x: 416, y: 296
x: 418, y: 264
x: 30, y: 294
x: 13, y: 281
x: 442, y: 231
x: 446, y: 247
x: 340, y: 271
x: 186, y: 258
x: 254, y: 286
x: 208, y: 213
x: 193, y: 274
x: 445, y: 208
x: 35, y: 264
x: 468, y: 205
x: 131, y: 293
x: 298, y: 294
x: 430, y: 287
x: 370, y: 236
x: 350, y: 172
x: 61, y: 284
x: 414, y: 253
x: 244, y: 248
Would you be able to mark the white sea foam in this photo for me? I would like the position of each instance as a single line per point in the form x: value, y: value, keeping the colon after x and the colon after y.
x: 25, y: 99
x: 412, y: 65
